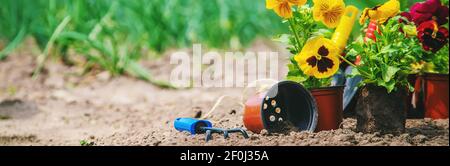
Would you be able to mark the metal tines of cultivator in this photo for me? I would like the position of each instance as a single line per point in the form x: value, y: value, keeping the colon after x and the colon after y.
x: 196, y: 126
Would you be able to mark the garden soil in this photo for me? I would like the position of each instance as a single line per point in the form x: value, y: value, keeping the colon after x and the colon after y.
x: 65, y: 107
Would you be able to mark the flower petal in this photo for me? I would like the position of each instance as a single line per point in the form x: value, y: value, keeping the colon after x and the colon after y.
x: 429, y: 6
x: 381, y: 13
x: 323, y: 51
x: 297, y: 2
x: 419, y: 18
x: 271, y: 4
x: 319, y: 7
x: 444, y: 32
x: 284, y: 10
x: 328, y: 44
x: 432, y: 37
x: 388, y: 10
x: 329, y: 12
x: 318, y: 58
x: 406, y: 15
x: 332, y: 17
x: 324, y: 64
x: 442, y: 15
x: 312, y: 61
x: 427, y: 25
x: 327, y: 67
x: 307, y: 63
x: 425, y: 11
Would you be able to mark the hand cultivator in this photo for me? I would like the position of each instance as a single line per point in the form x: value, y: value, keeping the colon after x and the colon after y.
x: 196, y: 126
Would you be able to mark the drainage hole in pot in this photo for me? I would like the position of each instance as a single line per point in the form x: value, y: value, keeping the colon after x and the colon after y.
x: 272, y: 118
x: 278, y: 110
x: 273, y: 102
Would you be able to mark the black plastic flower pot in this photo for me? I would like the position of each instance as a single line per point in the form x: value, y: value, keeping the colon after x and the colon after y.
x: 287, y: 106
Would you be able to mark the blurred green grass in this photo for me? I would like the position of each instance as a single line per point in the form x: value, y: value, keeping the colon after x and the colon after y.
x: 159, y: 24
x: 114, y: 33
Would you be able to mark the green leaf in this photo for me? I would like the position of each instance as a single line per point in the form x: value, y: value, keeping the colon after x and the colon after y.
x: 14, y: 44
x: 388, y: 72
x: 388, y: 49
x: 294, y: 73
x: 354, y: 73
x: 43, y: 56
x: 298, y: 79
x: 390, y: 86
x: 357, y: 47
x: 138, y: 71
x: 411, y: 88
x: 291, y: 67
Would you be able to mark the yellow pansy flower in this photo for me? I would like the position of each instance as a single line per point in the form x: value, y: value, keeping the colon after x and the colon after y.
x: 381, y: 13
x: 283, y: 7
x: 318, y: 58
x: 418, y: 66
x: 328, y: 11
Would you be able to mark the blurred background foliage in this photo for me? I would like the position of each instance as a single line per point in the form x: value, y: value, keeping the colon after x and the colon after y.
x: 156, y: 24
x: 115, y: 33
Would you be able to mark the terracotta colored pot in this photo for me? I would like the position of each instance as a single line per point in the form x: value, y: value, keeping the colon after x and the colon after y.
x: 286, y: 106
x: 329, y: 103
x: 436, y: 95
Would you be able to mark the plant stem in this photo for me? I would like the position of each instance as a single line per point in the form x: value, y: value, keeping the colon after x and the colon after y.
x: 294, y: 30
x: 347, y: 61
x: 353, y: 65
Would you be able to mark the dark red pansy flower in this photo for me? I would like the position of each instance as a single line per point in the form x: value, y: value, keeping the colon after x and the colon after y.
x: 428, y: 10
x: 432, y: 37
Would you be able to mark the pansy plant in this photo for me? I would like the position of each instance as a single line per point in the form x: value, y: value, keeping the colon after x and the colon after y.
x: 430, y: 21
x: 387, y: 61
x: 314, y: 58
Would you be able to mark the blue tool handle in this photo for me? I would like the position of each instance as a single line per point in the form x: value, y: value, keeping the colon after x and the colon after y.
x: 194, y: 126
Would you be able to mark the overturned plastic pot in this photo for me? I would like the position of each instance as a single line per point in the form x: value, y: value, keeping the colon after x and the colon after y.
x: 436, y: 95
x: 330, y: 107
x: 286, y: 106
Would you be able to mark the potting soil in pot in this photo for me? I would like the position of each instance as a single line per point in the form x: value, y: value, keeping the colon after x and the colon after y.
x: 380, y: 111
